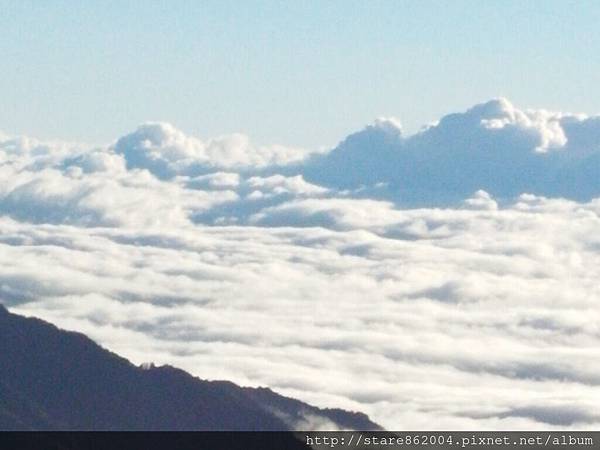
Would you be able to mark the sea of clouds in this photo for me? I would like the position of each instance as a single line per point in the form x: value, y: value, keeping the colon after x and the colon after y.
x: 447, y: 279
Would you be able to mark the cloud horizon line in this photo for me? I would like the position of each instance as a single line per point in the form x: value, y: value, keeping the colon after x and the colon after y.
x: 391, y: 123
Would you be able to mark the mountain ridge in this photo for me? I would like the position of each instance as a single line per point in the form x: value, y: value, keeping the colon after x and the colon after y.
x: 51, y: 380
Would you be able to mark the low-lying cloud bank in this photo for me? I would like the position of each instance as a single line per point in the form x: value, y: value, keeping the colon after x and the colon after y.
x: 305, y: 272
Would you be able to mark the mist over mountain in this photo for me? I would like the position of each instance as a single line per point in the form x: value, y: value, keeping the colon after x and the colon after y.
x: 404, y: 276
x: 52, y: 379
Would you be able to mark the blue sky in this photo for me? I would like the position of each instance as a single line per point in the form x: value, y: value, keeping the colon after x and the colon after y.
x: 298, y: 73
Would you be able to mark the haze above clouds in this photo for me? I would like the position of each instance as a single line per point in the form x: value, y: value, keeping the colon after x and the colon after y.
x: 443, y: 279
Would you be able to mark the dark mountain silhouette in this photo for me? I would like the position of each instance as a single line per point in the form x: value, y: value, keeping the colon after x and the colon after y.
x: 52, y: 379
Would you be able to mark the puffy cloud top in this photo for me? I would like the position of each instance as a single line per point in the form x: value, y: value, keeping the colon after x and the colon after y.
x: 492, y: 146
x: 166, y: 152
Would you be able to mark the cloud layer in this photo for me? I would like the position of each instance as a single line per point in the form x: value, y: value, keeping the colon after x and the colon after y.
x: 306, y: 273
